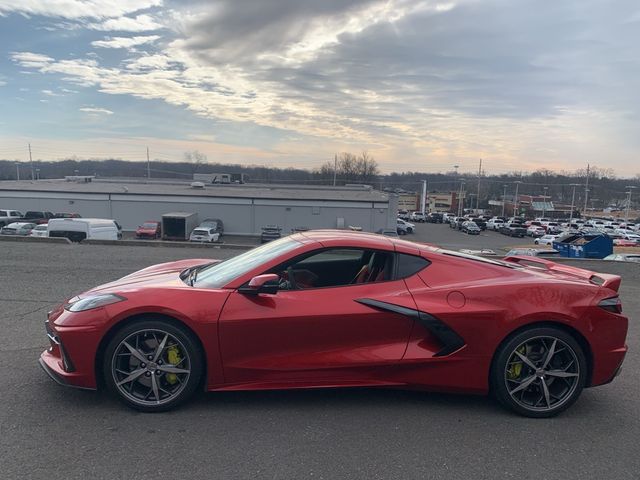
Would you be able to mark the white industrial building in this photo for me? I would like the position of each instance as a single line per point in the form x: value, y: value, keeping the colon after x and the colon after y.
x: 244, y: 209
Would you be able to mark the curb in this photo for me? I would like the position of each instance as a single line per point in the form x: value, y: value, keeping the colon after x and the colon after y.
x: 16, y: 238
x: 160, y: 243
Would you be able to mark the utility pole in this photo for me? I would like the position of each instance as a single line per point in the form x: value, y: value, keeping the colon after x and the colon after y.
x: 335, y: 168
x: 148, y: 165
x: 586, y: 191
x: 504, y: 196
x: 460, y: 201
x: 573, y: 198
x: 626, y: 215
x: 33, y: 176
x: 515, y: 201
x: 479, y: 175
x: 424, y: 196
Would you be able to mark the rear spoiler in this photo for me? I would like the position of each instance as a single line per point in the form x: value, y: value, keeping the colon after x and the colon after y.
x: 604, y: 280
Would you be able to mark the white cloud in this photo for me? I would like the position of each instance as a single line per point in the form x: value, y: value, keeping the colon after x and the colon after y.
x: 124, y: 42
x: 96, y: 111
x: 412, y: 79
x: 31, y: 60
x: 76, y: 9
x: 140, y: 23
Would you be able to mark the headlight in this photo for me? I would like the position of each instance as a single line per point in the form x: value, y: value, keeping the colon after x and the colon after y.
x: 94, y: 301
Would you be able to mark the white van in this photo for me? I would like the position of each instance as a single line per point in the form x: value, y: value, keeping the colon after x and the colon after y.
x: 78, y: 229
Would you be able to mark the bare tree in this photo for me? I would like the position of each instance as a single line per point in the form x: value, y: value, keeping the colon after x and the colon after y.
x: 350, y: 168
x: 196, y: 159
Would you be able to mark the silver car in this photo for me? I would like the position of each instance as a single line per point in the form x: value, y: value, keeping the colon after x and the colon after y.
x: 18, y: 228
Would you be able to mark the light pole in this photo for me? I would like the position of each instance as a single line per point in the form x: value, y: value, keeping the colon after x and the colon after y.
x: 460, y: 204
x: 573, y: 199
x: 626, y: 215
x: 504, y: 196
x: 544, y: 201
x: 515, y: 201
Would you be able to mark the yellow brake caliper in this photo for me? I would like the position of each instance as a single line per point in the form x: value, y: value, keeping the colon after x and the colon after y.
x: 516, y: 368
x: 173, y: 356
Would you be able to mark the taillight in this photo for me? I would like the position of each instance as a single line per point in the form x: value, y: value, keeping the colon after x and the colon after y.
x: 612, y: 304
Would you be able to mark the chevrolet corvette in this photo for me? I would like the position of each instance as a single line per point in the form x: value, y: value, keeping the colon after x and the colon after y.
x: 344, y: 309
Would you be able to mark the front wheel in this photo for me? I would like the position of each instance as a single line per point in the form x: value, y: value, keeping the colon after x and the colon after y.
x: 539, y: 372
x: 153, y: 365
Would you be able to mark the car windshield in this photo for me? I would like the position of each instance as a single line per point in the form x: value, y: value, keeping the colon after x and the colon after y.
x: 149, y: 225
x: 220, y: 274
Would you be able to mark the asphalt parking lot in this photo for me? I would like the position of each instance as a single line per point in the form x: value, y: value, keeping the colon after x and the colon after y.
x: 47, y: 431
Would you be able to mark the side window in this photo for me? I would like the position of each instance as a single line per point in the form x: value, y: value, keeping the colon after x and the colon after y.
x: 336, y: 267
x: 409, y: 265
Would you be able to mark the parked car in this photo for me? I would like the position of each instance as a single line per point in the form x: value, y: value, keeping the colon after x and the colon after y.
x: 78, y: 229
x: 513, y: 230
x: 623, y: 257
x: 9, y: 216
x: 480, y: 223
x: 418, y: 217
x: 436, y: 217
x: 447, y: 217
x: 22, y: 229
x: 149, y: 229
x: 213, y: 224
x: 546, y: 240
x: 495, y: 224
x: 204, y: 234
x: 623, y: 242
x: 388, y: 232
x: 37, y: 217
x: 66, y: 215
x: 405, y: 227
x: 532, y: 252
x: 470, y: 228
x: 270, y: 233
x: 403, y: 214
x: 40, y: 231
x: 536, y: 231
x: 316, y: 308
x: 457, y: 222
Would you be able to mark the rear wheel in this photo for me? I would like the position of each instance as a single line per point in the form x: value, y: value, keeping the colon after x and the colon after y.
x: 539, y: 372
x: 153, y: 365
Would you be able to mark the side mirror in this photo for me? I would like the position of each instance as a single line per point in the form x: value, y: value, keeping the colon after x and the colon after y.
x: 267, y: 283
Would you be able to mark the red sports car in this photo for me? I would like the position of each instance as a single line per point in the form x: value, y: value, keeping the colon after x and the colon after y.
x: 149, y: 229
x: 336, y: 309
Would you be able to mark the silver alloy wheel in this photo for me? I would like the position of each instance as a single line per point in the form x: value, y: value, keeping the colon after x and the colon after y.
x: 542, y: 373
x: 150, y: 367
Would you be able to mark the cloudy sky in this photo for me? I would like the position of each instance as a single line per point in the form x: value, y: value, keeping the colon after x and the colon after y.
x: 419, y: 84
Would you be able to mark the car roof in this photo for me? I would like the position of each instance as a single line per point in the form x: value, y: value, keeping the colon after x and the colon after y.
x: 19, y: 224
x: 364, y: 239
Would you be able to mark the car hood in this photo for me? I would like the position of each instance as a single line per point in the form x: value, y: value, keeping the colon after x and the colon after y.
x: 155, y: 275
x: 147, y: 230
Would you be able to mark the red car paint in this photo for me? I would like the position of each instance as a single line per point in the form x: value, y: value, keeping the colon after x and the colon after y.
x: 149, y: 229
x: 338, y: 336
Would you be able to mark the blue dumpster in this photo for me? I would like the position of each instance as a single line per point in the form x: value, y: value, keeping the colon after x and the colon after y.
x: 585, y: 246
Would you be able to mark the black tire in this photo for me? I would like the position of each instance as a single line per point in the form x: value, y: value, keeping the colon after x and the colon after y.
x: 566, y: 391
x: 188, y: 349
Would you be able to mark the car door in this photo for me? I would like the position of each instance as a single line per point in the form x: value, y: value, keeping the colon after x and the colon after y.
x: 316, y: 334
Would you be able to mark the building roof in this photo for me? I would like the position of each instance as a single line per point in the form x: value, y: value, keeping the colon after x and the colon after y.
x: 266, y: 191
